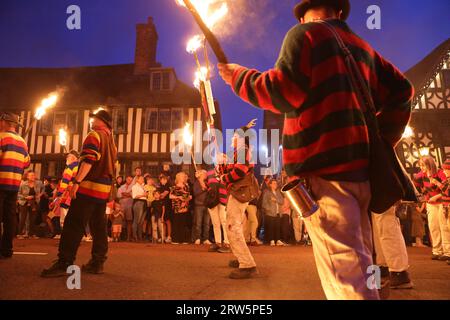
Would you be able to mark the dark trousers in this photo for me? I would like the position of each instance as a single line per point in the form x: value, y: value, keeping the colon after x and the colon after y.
x: 27, y: 215
x: 8, y: 207
x: 272, y: 228
x: 286, y: 228
x: 82, y: 212
x: 202, y: 222
x: 180, y: 227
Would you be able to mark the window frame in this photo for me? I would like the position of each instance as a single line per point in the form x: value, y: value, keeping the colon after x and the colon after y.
x: 116, y: 112
x: 146, y: 120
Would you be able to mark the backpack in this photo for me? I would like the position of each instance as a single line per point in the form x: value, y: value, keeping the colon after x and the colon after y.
x: 212, y: 197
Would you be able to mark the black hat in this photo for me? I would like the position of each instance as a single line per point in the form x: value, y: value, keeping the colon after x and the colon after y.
x: 104, y: 116
x: 10, y: 117
x: 301, y: 8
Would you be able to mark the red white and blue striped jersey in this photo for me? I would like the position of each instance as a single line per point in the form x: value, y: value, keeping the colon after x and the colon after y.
x: 14, y: 159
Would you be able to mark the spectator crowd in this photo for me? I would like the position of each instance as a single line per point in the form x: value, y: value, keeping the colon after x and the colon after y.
x: 171, y: 208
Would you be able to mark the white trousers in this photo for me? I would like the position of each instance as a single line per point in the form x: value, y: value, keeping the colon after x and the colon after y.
x: 235, y: 230
x: 434, y: 224
x: 342, y: 238
x: 219, y: 221
x: 439, y: 229
x: 297, y: 224
x: 390, y: 245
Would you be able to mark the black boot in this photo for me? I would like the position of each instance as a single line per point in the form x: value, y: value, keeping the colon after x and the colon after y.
x: 94, y: 267
x: 233, y: 264
x: 58, y: 269
x: 243, y: 273
x: 401, y: 280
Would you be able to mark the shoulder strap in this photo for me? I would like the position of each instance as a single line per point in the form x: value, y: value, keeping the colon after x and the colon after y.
x: 359, y: 84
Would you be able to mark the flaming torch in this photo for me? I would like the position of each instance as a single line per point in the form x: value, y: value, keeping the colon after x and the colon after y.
x: 46, y: 104
x: 188, y: 139
x: 63, y: 138
x: 206, y: 20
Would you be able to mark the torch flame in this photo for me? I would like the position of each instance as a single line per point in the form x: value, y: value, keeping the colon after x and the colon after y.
x: 194, y: 44
x: 62, y: 137
x: 188, y: 137
x: 208, y: 16
x: 46, y: 103
x: 200, y: 76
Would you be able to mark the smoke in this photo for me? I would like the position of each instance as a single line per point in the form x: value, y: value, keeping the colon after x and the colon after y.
x: 249, y: 21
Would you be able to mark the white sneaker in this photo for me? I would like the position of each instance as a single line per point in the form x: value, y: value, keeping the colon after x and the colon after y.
x: 57, y: 237
x: 168, y: 240
x: 280, y: 243
x: 197, y: 241
x: 159, y: 240
x: 258, y: 241
x: 20, y: 237
x: 207, y: 242
x: 272, y: 243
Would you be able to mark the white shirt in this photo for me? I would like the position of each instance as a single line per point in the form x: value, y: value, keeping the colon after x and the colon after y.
x: 138, y: 190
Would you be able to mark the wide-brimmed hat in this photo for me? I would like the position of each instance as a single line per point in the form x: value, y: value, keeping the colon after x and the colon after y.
x: 301, y: 8
x: 102, y: 115
x: 10, y: 117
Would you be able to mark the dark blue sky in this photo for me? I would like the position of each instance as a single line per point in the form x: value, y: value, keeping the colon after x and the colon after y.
x: 33, y: 33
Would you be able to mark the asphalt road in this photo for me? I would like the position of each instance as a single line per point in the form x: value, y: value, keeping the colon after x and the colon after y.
x: 188, y: 272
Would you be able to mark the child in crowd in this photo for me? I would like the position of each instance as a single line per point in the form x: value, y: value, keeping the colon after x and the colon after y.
x: 117, y: 219
x: 157, y: 211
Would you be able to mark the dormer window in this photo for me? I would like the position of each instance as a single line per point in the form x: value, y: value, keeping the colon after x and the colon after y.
x: 162, y: 79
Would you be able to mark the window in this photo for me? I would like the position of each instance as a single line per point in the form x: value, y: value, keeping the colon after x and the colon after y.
x: 151, y: 119
x: 60, y: 120
x: 177, y: 119
x: 72, y: 121
x: 164, y: 120
x: 120, y: 116
x: 46, y: 124
x: 156, y: 81
x: 166, y: 81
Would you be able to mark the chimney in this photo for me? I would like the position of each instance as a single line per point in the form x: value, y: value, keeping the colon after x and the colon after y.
x: 146, y: 41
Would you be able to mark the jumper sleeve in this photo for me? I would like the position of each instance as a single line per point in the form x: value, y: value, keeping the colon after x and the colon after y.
x: 394, y: 98
x: 90, y: 152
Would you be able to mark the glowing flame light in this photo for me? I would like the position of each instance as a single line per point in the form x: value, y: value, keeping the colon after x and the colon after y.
x: 209, y: 16
x: 408, y: 133
x: 194, y: 44
x: 62, y: 137
x: 188, y: 137
x: 424, y: 152
x: 46, y: 103
x: 200, y: 76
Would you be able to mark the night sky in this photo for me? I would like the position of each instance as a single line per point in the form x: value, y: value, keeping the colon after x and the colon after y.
x: 34, y: 34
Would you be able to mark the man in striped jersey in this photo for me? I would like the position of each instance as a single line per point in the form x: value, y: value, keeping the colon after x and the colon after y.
x: 90, y: 193
x: 233, y: 173
x: 14, y: 159
x: 65, y: 185
x: 325, y: 137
